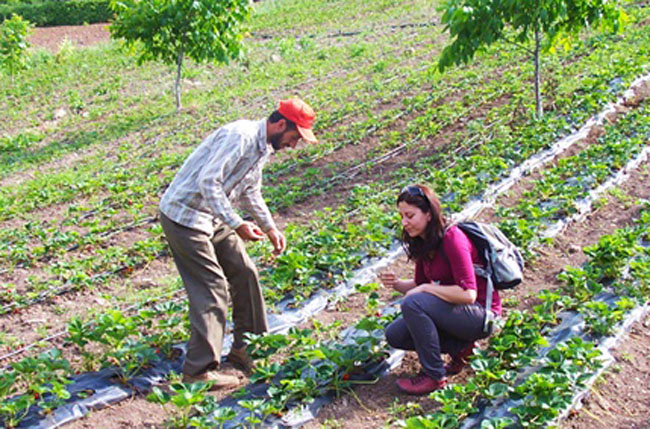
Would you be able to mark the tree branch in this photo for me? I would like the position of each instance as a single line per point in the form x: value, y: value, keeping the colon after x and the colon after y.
x: 520, y: 46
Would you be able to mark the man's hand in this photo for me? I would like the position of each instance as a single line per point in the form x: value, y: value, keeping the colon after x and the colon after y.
x: 277, y: 239
x: 249, y: 231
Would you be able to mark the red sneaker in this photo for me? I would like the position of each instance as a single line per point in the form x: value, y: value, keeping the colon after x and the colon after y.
x: 459, y: 361
x: 421, y: 384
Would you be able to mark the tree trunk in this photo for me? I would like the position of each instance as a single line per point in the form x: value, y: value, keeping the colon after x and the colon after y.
x: 177, y: 85
x: 538, y: 96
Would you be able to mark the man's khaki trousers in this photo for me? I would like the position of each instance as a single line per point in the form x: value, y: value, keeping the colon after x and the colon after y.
x: 209, y: 267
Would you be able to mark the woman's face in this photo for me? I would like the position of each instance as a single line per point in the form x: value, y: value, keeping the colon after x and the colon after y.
x: 414, y: 220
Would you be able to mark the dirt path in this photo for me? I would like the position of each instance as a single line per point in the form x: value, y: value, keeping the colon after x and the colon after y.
x: 50, y: 38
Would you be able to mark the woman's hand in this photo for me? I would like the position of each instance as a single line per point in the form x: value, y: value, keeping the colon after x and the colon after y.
x: 388, y: 279
x: 417, y: 289
x: 424, y: 287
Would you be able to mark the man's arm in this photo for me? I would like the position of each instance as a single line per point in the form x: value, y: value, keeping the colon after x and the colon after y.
x: 252, y: 201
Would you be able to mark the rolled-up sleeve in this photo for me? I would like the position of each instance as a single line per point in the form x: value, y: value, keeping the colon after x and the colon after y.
x: 252, y: 201
x: 212, y: 178
x: 458, y: 250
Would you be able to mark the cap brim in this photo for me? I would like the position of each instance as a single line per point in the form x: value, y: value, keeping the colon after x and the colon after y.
x: 307, y: 134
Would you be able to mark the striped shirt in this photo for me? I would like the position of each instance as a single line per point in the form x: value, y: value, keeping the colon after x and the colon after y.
x: 226, y: 166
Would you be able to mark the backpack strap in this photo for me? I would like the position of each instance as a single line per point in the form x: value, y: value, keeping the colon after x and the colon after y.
x: 486, y: 273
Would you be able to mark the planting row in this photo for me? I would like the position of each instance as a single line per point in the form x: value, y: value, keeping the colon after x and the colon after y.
x: 559, y: 191
x: 353, y: 64
x: 43, y: 198
x: 120, y: 319
x: 21, y: 254
x: 309, y: 265
x: 314, y: 368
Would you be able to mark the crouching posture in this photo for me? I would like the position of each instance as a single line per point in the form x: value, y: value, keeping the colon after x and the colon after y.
x: 443, y: 310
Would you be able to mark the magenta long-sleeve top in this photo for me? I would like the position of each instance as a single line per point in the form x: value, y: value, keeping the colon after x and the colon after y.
x: 456, y: 267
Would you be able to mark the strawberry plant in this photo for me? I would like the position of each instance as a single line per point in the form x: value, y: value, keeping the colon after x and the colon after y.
x: 550, y: 390
x: 183, y: 397
x: 611, y: 252
x: 547, y: 390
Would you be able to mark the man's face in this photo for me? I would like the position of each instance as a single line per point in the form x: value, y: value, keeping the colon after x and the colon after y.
x: 284, y: 139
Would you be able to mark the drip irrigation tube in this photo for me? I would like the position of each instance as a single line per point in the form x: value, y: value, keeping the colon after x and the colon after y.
x: 350, y: 33
x: 104, y: 235
x: 157, y: 373
x: 572, y: 326
x: 353, y: 171
x: 67, y: 287
x: 298, y: 417
x: 59, y: 334
x: 291, y: 167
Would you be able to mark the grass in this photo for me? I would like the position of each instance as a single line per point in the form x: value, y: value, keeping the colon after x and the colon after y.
x: 120, y: 143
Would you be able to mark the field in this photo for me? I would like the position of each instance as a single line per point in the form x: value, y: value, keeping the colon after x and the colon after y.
x: 90, y: 140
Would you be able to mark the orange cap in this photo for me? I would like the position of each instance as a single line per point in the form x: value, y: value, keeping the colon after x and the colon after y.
x: 299, y: 112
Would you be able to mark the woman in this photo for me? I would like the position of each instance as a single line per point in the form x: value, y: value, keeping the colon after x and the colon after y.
x: 443, y: 310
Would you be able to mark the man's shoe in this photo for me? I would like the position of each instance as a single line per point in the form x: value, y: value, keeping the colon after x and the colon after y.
x: 459, y: 361
x: 217, y: 379
x: 240, y: 359
x: 421, y: 384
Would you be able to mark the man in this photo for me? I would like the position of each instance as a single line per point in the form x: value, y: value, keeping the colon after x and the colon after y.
x: 205, y: 233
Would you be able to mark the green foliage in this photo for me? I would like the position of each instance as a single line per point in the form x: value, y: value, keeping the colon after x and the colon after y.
x: 330, y: 247
x: 54, y: 12
x: 476, y: 24
x: 610, y: 252
x: 14, y: 44
x: 169, y: 30
x: 184, y: 397
x: 202, y: 30
x: 43, y: 377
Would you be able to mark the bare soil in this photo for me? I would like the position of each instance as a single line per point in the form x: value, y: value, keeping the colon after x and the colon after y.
x: 51, y: 38
x: 373, y: 406
x: 566, y: 250
x: 38, y: 320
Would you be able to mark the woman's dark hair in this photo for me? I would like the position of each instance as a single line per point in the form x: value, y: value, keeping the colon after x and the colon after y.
x: 422, y: 197
x: 276, y: 116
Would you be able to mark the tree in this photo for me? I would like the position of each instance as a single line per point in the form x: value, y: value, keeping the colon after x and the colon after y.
x: 14, y: 44
x: 170, y: 30
x: 476, y: 24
